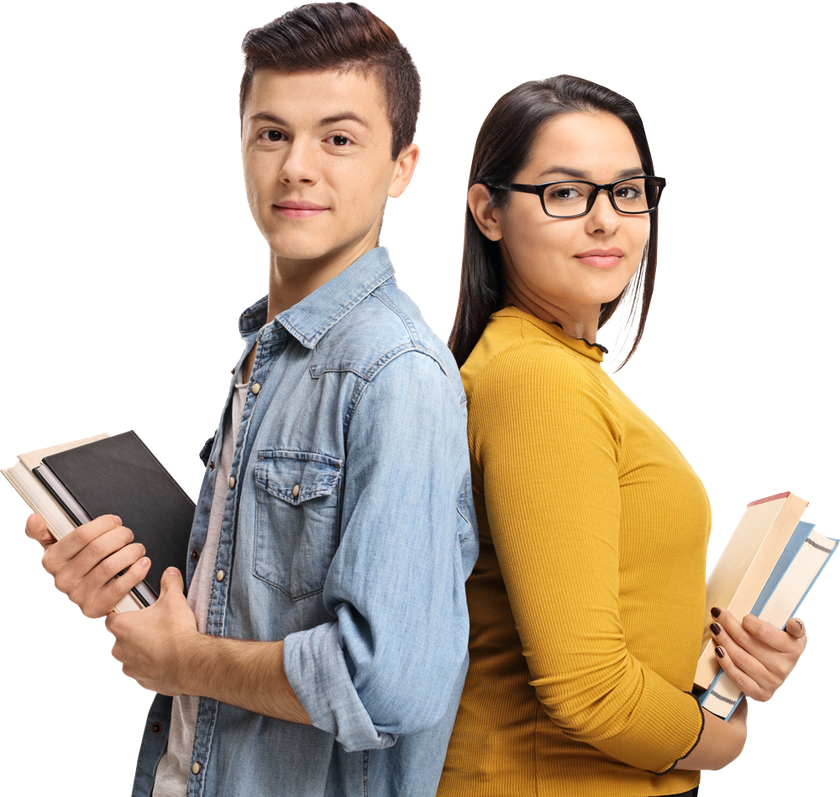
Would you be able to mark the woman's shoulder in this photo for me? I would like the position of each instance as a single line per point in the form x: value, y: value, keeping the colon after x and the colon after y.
x: 535, y: 386
x: 515, y: 354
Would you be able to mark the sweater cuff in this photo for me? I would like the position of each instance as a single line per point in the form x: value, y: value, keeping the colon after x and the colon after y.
x: 696, y: 741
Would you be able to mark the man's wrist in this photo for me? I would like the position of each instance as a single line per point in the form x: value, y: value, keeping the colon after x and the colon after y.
x: 192, y: 664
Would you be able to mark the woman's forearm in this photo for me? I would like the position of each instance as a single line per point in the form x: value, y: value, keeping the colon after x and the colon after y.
x: 720, y: 743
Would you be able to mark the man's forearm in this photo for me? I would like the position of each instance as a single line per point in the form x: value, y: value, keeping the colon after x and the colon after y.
x: 241, y: 673
x: 161, y: 648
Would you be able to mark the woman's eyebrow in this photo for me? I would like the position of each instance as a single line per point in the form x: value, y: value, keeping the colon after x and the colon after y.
x: 581, y: 174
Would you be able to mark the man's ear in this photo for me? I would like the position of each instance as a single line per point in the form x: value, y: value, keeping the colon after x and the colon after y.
x: 405, y: 165
x: 486, y: 215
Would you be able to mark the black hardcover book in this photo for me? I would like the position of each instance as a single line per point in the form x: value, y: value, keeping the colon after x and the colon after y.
x: 120, y: 476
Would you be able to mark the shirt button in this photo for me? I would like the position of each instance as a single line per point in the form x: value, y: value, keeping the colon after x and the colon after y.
x: 256, y: 387
x: 220, y: 576
x: 296, y: 490
x: 232, y: 482
x: 196, y: 768
x: 194, y: 556
x: 212, y: 464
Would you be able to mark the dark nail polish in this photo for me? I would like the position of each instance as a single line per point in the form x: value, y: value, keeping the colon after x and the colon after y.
x: 715, y: 628
x: 715, y: 612
x: 719, y: 652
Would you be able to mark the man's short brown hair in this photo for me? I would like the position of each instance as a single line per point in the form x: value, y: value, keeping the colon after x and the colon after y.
x: 342, y: 37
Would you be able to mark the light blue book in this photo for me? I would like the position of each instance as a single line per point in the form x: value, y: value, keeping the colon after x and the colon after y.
x: 800, y: 564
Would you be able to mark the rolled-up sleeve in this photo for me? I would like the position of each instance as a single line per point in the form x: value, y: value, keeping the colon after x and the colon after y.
x: 391, y: 662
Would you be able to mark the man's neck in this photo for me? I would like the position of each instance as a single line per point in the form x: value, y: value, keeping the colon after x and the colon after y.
x: 289, y: 282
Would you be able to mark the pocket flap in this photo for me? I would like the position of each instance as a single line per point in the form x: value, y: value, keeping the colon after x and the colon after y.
x: 297, y: 476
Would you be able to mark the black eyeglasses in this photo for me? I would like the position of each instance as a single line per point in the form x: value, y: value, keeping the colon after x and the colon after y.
x: 568, y: 199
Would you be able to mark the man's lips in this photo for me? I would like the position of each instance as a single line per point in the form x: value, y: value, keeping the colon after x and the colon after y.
x: 299, y: 210
x: 601, y: 258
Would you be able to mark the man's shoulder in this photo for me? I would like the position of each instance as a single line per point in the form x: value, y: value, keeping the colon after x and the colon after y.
x: 385, y: 325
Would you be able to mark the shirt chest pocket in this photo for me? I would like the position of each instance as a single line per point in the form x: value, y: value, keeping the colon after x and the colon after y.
x: 297, y: 520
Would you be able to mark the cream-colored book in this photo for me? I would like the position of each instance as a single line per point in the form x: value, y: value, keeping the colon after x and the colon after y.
x: 745, y: 565
x: 40, y: 500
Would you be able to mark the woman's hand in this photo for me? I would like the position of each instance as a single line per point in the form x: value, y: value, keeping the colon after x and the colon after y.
x: 757, y: 656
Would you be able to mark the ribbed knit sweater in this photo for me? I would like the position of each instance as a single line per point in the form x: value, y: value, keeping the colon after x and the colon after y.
x: 587, y: 601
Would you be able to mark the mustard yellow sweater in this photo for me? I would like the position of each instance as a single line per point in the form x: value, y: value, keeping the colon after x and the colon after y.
x: 587, y: 600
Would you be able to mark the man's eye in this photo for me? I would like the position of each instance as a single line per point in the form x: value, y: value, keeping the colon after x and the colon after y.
x: 271, y: 135
x: 339, y: 141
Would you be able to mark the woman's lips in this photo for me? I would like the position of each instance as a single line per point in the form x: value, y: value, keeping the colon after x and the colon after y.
x: 601, y: 258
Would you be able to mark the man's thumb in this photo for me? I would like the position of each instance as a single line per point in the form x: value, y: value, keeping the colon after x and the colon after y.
x: 171, y: 581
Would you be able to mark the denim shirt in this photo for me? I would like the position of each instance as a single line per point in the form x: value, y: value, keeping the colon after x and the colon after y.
x: 348, y: 531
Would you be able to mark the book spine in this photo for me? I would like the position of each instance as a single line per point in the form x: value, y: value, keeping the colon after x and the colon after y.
x: 722, y: 697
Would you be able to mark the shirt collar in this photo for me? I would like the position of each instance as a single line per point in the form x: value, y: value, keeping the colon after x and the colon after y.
x: 312, y: 317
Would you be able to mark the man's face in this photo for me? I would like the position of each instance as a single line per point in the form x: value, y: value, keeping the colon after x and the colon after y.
x: 316, y: 150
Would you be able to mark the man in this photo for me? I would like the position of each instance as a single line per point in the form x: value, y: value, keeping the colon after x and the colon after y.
x: 324, y: 635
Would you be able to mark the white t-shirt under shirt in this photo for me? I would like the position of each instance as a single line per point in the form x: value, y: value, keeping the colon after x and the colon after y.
x: 173, y: 768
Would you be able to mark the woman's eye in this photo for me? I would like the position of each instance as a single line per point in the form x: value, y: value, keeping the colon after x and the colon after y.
x: 627, y: 192
x: 564, y: 193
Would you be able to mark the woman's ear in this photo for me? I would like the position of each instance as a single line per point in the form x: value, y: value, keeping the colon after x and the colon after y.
x: 486, y: 215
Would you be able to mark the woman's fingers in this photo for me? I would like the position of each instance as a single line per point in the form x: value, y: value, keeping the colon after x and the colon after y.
x: 757, y: 656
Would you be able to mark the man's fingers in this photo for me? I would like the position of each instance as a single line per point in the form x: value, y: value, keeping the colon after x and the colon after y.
x: 101, y: 604
x: 88, y: 536
x: 86, y: 564
x: 171, y: 581
x: 36, y: 529
x: 87, y: 545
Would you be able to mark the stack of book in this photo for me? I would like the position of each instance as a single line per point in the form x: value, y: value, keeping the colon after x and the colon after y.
x: 72, y: 483
x: 766, y: 569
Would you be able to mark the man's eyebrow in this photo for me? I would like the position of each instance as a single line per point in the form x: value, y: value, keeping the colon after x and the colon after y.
x: 580, y: 174
x: 343, y: 116
x: 264, y: 116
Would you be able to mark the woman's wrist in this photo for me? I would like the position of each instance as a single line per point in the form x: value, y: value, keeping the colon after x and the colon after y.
x: 720, y: 742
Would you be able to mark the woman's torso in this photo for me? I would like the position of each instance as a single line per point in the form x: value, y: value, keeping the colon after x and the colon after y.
x: 587, y: 600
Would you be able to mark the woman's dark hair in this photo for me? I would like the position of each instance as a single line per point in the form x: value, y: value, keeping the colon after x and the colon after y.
x: 501, y: 150
x: 339, y: 36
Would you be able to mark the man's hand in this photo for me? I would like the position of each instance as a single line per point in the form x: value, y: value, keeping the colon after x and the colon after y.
x: 86, y: 563
x: 155, y: 644
x: 161, y: 648
x: 757, y: 656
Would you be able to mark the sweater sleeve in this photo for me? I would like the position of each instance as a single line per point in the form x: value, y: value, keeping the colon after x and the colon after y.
x: 547, y: 441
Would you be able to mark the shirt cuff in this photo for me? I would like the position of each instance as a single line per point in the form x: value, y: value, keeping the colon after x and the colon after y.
x: 317, y: 672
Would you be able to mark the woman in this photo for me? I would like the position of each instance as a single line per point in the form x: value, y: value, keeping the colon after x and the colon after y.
x: 587, y: 600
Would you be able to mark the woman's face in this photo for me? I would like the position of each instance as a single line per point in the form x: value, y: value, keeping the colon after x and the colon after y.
x: 564, y: 269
